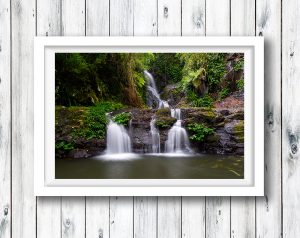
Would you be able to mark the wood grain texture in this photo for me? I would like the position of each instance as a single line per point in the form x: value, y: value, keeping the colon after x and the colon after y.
x: 193, y: 18
x: 97, y: 217
x: 48, y: 23
x: 73, y: 217
x: 242, y: 208
x: 169, y: 17
x: 268, y: 208
x: 169, y: 217
x: 145, y: 17
x: 218, y: 208
x: 145, y: 217
x: 290, y: 117
x: 121, y: 17
x: 23, y: 200
x: 97, y: 18
x: 121, y: 217
x: 5, y: 121
x: 193, y: 217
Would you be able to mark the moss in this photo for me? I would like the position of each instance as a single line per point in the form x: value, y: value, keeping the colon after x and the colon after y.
x: 238, y: 130
x: 165, y: 122
x: 163, y: 112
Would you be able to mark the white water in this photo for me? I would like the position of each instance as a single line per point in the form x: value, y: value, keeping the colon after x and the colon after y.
x: 118, y: 140
x: 152, y: 94
x: 178, y: 140
x: 155, y: 137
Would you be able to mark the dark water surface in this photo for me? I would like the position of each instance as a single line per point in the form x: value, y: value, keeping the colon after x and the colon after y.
x: 147, y: 166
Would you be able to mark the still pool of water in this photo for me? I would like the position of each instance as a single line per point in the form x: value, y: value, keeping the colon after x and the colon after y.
x: 152, y: 166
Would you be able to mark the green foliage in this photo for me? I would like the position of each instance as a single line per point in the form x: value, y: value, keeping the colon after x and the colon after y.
x: 64, y: 145
x: 205, y: 101
x: 94, y: 125
x: 238, y: 65
x: 165, y: 122
x: 199, y: 131
x: 122, y: 118
x: 224, y: 93
x: 240, y: 84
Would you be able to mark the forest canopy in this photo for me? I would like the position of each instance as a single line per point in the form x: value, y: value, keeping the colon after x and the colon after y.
x: 85, y: 79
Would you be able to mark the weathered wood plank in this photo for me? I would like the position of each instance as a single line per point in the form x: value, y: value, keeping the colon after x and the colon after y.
x: 73, y: 217
x: 97, y: 18
x: 193, y: 208
x: 73, y: 208
x: 145, y: 17
x: 218, y: 208
x: 145, y: 217
x: 242, y: 208
x: 5, y: 120
x: 169, y: 17
x: 268, y: 208
x: 169, y: 217
x: 48, y: 208
x: 121, y: 17
x: 97, y: 217
x: 218, y: 17
x: 121, y: 217
x: 23, y: 201
x: 193, y: 217
x: 290, y: 117
x: 193, y: 18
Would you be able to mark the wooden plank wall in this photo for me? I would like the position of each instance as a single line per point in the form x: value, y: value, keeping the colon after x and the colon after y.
x: 274, y: 215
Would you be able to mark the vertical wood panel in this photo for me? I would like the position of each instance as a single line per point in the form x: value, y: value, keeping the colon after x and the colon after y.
x: 268, y: 208
x: 97, y: 17
x: 97, y: 217
x: 145, y: 208
x: 290, y: 117
x: 145, y: 17
x: 169, y: 217
x: 218, y: 208
x: 5, y: 120
x: 73, y: 208
x: 193, y: 17
x: 193, y: 208
x: 145, y: 217
x: 193, y: 217
x: 23, y: 200
x: 121, y: 217
x: 169, y: 17
x: 242, y: 208
x: 48, y: 208
x: 73, y: 217
x: 121, y: 17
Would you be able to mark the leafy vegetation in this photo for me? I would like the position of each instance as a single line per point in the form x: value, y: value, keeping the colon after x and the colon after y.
x: 64, y: 145
x: 240, y: 84
x: 199, y: 131
x: 165, y: 122
x: 122, y: 118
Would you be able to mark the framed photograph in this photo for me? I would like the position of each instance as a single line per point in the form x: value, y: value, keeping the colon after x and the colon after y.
x: 149, y: 116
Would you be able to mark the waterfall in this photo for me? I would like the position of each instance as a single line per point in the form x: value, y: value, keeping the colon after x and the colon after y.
x: 155, y: 137
x: 153, y: 97
x: 178, y: 141
x: 118, y: 140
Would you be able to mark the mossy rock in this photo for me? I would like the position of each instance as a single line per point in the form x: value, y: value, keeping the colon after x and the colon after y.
x: 238, y: 130
x: 165, y: 122
x: 163, y: 112
x: 213, y: 138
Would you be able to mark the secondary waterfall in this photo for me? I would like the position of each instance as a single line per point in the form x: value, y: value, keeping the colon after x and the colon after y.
x: 118, y: 140
x: 178, y: 140
x: 153, y: 97
x: 155, y: 137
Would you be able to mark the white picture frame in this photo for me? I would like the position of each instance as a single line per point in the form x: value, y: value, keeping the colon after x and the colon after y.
x: 45, y: 183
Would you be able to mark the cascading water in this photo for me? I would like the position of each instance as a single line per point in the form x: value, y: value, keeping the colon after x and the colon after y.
x: 118, y: 140
x: 155, y: 137
x: 178, y: 141
x: 153, y: 97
